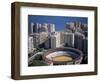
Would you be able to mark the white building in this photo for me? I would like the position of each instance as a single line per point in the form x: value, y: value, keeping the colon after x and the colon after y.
x: 45, y: 27
x: 35, y: 27
x: 61, y: 37
x: 36, y: 37
x: 55, y: 40
x: 39, y: 38
x: 51, y: 27
x: 38, y: 27
x: 32, y: 25
x: 30, y: 44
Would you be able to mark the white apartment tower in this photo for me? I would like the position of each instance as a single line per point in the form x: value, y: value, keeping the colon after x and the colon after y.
x: 32, y: 24
x: 45, y: 27
x: 30, y: 44
x: 35, y: 27
x: 61, y: 37
x: 55, y: 40
x: 51, y: 27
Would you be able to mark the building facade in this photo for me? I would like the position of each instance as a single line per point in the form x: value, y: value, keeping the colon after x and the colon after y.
x: 36, y: 37
x: 78, y: 41
x: 61, y: 38
x: 69, y: 39
x: 51, y: 28
x: 55, y: 40
x: 30, y: 44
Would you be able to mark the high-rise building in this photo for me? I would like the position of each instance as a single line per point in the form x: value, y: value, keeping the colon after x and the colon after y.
x: 39, y: 39
x: 62, y: 38
x: 51, y: 27
x: 36, y: 37
x: 55, y: 40
x: 77, y: 24
x: 78, y: 41
x: 70, y: 27
x: 39, y: 27
x: 69, y: 39
x: 48, y: 43
x: 32, y: 24
x: 43, y: 37
x: 35, y: 27
x: 84, y: 27
x: 78, y: 27
x: 30, y: 44
x: 45, y: 27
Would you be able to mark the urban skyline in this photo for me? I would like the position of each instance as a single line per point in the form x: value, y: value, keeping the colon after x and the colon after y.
x: 59, y: 21
x: 68, y: 37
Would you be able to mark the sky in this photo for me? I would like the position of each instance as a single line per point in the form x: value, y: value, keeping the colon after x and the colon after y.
x: 59, y: 21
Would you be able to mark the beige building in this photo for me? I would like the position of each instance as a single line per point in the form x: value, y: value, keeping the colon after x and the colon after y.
x: 39, y: 38
x: 55, y: 40
x: 43, y: 37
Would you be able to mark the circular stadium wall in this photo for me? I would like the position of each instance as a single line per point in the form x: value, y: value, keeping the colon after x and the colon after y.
x: 68, y: 56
